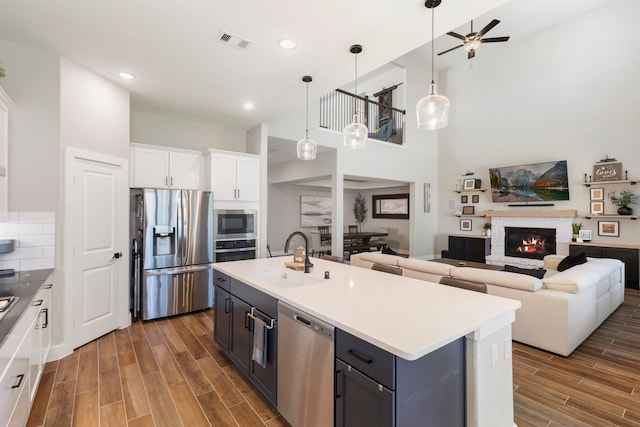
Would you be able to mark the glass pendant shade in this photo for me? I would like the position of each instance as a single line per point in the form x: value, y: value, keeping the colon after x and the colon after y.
x: 307, y: 149
x: 433, y: 110
x: 355, y: 135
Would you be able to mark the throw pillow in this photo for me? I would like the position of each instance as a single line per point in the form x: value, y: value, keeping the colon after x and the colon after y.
x: 535, y: 272
x: 572, y: 260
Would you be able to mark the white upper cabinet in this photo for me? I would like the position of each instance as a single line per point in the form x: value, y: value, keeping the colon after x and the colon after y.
x: 234, y: 176
x: 163, y: 168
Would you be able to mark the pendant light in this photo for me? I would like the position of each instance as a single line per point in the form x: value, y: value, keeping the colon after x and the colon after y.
x: 433, y: 109
x: 307, y: 148
x: 355, y: 134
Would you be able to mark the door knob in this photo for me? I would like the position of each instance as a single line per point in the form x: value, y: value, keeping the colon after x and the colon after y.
x: 117, y: 255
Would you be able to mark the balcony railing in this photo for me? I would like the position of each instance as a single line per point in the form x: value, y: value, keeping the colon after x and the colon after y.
x: 385, y: 123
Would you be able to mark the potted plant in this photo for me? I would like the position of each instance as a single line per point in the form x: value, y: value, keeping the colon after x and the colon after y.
x: 623, y: 201
x: 487, y: 228
x: 575, y: 227
x: 360, y: 209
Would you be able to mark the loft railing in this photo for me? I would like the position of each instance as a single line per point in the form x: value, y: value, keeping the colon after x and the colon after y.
x: 385, y: 123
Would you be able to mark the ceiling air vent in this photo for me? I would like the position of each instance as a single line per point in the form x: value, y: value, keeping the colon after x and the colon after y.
x: 232, y: 40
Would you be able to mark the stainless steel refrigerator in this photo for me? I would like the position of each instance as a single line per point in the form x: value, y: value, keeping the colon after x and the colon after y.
x: 172, y: 252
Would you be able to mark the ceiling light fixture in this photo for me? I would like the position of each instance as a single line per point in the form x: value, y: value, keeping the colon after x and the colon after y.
x: 248, y: 106
x: 433, y: 109
x: 355, y: 134
x: 307, y: 148
x: 287, y: 44
x: 126, y: 76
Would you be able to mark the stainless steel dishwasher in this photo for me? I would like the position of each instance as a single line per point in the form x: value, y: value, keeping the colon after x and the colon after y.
x: 305, y: 368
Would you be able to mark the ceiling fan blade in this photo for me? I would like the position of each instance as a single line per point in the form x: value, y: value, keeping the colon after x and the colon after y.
x: 456, y: 35
x: 486, y: 29
x: 449, y: 50
x: 471, y: 54
x: 494, y: 39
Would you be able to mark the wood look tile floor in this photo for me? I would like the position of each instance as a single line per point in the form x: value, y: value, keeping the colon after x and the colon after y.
x: 171, y: 373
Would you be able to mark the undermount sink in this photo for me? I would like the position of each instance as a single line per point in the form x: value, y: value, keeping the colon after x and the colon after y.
x: 284, y: 277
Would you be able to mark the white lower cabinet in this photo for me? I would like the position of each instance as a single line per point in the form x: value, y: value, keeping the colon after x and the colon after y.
x: 22, y: 358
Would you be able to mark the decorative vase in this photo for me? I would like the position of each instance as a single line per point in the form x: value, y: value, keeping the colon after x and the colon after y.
x: 625, y: 210
x: 488, y: 232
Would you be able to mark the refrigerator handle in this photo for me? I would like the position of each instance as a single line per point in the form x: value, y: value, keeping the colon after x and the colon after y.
x: 180, y: 228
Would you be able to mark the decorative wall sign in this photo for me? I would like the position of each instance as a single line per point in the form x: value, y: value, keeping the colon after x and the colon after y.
x: 315, y: 211
x: 392, y: 206
x: 609, y: 171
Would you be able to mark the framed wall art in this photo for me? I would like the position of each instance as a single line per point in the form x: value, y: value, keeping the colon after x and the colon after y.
x: 391, y: 206
x: 585, y: 235
x: 475, y: 198
x: 464, y: 199
x: 468, y: 184
x: 465, y: 225
x: 315, y: 211
x: 609, y: 228
x: 468, y: 210
x: 597, y: 208
x: 597, y: 193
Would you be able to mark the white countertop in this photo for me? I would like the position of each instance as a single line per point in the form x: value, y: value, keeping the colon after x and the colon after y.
x: 404, y: 316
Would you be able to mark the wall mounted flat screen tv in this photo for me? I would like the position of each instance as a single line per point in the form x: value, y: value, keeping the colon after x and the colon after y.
x: 535, y: 182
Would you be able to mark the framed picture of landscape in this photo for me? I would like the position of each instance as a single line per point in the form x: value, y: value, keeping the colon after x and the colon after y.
x: 315, y: 211
x: 391, y: 206
x: 535, y: 182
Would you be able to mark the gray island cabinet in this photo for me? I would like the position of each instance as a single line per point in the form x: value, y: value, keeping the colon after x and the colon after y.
x: 435, y: 355
x: 236, y: 305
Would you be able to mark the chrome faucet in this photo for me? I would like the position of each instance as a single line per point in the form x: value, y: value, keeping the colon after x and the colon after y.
x: 307, y: 263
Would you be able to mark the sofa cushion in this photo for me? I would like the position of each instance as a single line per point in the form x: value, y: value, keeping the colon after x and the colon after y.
x: 535, y: 272
x: 378, y: 258
x: 551, y: 261
x: 572, y: 260
x: 425, y: 266
x: 499, y: 278
x: 573, y: 281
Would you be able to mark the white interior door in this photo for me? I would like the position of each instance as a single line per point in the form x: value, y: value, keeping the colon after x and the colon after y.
x: 97, y: 212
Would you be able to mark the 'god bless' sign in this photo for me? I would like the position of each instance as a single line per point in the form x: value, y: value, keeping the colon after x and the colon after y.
x: 610, y: 171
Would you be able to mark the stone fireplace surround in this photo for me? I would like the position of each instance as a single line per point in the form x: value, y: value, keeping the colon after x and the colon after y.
x: 561, y: 220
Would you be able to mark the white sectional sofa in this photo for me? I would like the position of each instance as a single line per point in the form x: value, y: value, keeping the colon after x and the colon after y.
x: 558, y: 311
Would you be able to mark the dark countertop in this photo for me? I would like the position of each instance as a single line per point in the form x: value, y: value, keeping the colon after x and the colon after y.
x: 24, y: 285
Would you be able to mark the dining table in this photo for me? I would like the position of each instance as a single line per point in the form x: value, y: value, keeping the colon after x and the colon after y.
x: 361, y: 241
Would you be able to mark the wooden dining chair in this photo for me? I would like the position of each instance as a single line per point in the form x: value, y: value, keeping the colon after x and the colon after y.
x: 387, y: 269
x: 325, y: 239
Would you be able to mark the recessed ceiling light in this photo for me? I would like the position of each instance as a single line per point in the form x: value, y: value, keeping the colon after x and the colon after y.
x: 287, y: 44
x: 248, y: 106
x: 126, y: 76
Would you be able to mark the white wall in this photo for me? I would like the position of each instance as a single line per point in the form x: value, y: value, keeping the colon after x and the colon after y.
x: 553, y: 95
x: 415, y: 163
x: 33, y: 83
x: 156, y: 129
x: 94, y: 112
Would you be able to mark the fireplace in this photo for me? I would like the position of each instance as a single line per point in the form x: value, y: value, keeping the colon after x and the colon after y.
x: 528, y: 242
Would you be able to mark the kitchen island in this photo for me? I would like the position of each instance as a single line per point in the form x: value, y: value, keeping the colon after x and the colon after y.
x: 405, y: 317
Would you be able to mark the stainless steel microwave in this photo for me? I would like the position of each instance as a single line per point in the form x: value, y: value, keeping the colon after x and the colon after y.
x: 234, y: 224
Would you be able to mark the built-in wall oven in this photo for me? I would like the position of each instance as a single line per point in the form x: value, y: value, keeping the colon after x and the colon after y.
x: 235, y: 233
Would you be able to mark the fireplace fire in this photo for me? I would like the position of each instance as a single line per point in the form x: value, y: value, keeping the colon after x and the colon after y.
x: 526, y: 242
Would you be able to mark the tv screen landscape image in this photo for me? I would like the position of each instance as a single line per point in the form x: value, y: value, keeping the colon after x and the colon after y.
x: 535, y: 182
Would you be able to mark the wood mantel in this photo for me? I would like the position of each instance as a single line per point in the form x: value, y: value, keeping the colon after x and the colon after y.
x: 535, y: 213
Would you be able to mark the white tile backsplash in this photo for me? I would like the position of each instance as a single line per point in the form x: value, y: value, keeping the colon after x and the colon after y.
x: 34, y: 233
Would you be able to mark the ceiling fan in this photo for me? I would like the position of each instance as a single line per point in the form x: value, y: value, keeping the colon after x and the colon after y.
x: 472, y: 41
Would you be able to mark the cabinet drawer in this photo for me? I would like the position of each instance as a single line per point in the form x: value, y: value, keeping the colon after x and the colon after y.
x: 255, y: 298
x: 221, y: 280
x: 15, y: 379
x: 367, y: 358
